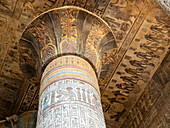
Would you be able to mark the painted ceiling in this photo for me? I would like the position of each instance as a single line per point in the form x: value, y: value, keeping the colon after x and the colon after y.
x: 141, y: 29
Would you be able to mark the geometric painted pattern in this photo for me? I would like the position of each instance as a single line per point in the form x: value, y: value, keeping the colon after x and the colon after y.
x: 69, y: 95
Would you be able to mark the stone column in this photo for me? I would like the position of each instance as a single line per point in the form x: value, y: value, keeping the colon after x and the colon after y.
x: 69, y: 95
x: 64, y: 49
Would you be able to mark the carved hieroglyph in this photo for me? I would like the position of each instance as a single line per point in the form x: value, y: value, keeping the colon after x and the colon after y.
x: 64, y: 47
x: 130, y: 21
x: 69, y: 95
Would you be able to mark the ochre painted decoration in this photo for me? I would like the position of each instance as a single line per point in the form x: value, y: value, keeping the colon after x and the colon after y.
x: 142, y: 34
x: 64, y: 48
x: 48, y: 51
x: 61, y: 31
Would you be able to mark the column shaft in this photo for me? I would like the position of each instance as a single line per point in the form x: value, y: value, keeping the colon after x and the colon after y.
x: 69, y: 95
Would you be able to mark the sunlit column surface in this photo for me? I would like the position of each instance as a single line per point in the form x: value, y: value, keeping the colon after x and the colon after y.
x: 69, y: 95
x: 64, y: 48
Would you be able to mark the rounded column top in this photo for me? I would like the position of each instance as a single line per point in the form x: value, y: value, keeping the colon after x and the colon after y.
x: 62, y: 31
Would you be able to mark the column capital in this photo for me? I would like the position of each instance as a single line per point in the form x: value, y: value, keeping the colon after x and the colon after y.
x: 62, y: 31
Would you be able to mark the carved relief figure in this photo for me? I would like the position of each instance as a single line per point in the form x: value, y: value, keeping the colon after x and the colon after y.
x: 157, y: 39
x: 153, y: 48
x: 147, y: 55
x: 141, y: 64
x: 66, y: 94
